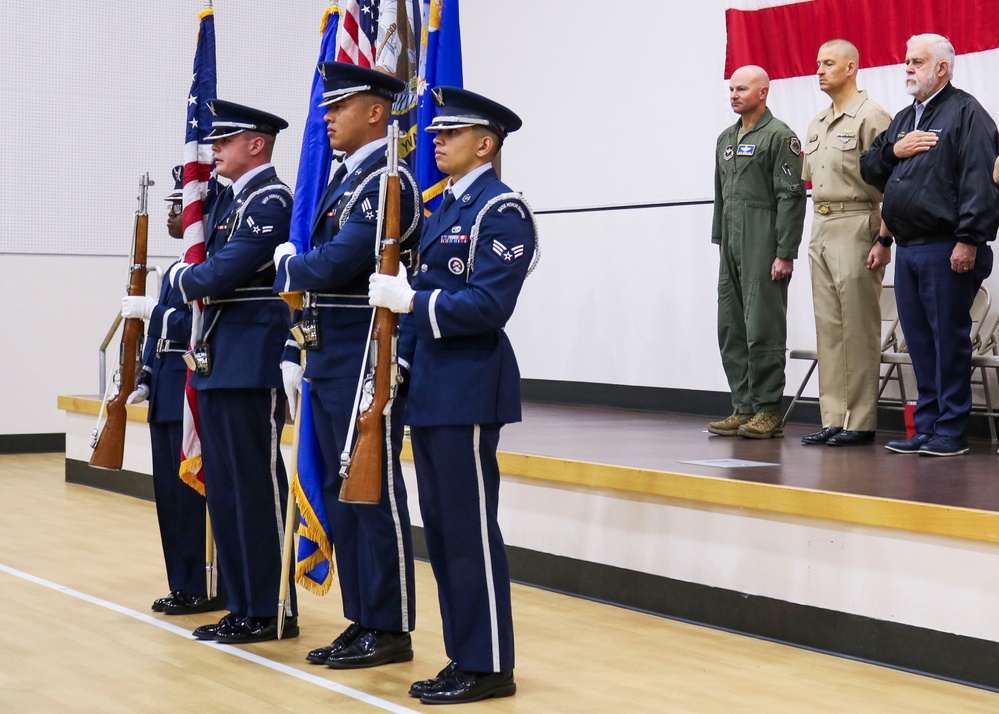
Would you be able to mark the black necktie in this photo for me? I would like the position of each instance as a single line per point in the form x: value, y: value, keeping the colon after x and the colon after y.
x: 338, y: 176
x: 448, y: 201
x: 224, y: 201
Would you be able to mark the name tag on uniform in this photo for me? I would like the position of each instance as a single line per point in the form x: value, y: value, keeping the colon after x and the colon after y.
x: 746, y: 150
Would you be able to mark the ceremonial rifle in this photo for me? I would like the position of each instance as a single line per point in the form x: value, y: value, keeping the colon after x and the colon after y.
x: 109, y: 442
x: 362, y: 470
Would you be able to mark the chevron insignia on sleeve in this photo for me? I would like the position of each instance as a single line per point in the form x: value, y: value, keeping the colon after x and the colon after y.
x: 508, y: 255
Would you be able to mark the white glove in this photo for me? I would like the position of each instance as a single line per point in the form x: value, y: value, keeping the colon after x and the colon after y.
x: 140, y: 306
x: 291, y: 373
x: 174, y: 270
x: 138, y: 396
x: 391, y: 291
x: 282, y: 250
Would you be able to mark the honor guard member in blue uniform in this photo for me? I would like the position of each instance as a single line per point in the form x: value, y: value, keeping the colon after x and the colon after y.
x: 180, y: 510
x: 241, y: 402
x: 373, y: 542
x: 475, y: 252
x: 934, y: 164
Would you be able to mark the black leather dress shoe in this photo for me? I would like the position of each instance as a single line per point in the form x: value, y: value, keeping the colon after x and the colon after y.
x: 852, y: 438
x: 187, y: 604
x: 462, y: 687
x: 319, y: 656
x: 820, y: 437
x: 161, y: 602
x: 255, y: 629
x: 373, y: 648
x: 207, y: 632
x: 418, y: 689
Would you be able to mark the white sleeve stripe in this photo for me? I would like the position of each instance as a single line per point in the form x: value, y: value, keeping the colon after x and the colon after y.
x: 287, y: 274
x: 180, y: 283
x: 166, y: 319
x: 432, y: 312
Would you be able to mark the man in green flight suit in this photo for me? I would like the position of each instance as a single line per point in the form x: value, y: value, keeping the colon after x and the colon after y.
x: 758, y: 215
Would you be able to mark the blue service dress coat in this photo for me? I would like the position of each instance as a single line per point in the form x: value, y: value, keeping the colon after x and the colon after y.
x: 241, y: 403
x: 473, y: 261
x: 180, y: 510
x: 373, y: 543
x: 464, y: 385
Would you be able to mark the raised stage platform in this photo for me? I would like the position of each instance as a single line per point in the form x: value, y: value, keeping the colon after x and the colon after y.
x: 857, y: 551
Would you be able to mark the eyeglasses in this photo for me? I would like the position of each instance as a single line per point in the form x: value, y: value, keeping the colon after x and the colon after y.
x: 176, y: 209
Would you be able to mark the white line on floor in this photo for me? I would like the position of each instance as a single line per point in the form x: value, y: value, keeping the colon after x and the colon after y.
x: 228, y: 649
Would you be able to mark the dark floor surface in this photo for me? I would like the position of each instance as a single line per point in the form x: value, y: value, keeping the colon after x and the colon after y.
x: 662, y: 441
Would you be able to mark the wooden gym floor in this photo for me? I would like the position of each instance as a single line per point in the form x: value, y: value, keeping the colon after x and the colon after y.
x: 79, y: 568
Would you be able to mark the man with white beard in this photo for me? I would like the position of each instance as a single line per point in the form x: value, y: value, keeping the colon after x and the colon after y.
x: 934, y: 164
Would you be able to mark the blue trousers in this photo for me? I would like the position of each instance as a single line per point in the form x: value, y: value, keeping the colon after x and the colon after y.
x: 459, y: 483
x: 373, y: 542
x: 180, y: 511
x: 934, y: 305
x: 247, y: 491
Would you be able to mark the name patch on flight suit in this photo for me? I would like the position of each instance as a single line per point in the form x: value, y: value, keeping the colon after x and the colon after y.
x: 746, y: 150
x: 729, y: 152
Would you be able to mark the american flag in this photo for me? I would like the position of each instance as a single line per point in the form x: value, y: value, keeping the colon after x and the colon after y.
x: 358, y: 29
x: 197, y: 174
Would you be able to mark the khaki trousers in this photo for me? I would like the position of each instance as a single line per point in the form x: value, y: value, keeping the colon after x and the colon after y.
x: 846, y: 297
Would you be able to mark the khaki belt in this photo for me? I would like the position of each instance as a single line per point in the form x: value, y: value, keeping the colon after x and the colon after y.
x: 827, y: 207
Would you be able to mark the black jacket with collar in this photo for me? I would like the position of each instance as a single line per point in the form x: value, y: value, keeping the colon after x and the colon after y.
x: 945, y: 193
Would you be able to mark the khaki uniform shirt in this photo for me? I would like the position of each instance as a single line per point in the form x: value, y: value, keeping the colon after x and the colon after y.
x: 833, y: 149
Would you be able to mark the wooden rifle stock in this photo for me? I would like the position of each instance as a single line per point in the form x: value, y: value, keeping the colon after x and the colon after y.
x: 363, y: 482
x: 110, y: 446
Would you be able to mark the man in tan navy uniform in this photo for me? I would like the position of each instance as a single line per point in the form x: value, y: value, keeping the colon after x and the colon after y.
x: 846, y: 254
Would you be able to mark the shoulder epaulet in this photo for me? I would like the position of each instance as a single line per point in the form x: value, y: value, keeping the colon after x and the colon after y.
x: 274, y: 191
x: 376, y: 176
x: 506, y: 202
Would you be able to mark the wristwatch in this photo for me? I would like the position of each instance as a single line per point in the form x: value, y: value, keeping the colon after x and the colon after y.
x: 886, y: 241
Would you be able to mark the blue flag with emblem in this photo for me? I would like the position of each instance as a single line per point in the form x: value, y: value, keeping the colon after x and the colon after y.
x: 440, y: 65
x: 314, y: 570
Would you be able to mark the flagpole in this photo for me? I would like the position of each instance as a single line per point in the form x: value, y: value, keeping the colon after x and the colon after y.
x: 290, y: 519
x: 210, y: 580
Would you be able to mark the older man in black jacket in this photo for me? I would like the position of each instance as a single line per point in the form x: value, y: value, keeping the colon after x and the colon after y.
x: 934, y: 164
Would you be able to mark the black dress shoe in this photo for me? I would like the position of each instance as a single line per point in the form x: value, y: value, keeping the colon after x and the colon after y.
x: 187, y: 604
x: 820, y: 437
x: 255, y: 629
x: 852, y: 438
x: 319, y: 656
x: 373, y: 648
x: 418, y: 689
x: 207, y: 632
x: 462, y: 687
x: 161, y: 602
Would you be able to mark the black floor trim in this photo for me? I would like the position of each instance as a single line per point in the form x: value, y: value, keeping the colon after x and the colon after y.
x: 32, y: 443
x: 129, y: 483
x: 966, y: 660
x: 696, y: 402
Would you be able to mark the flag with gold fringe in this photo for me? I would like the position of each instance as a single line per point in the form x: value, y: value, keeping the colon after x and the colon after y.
x: 314, y: 569
x: 397, y: 53
x: 440, y: 65
x: 198, y: 162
